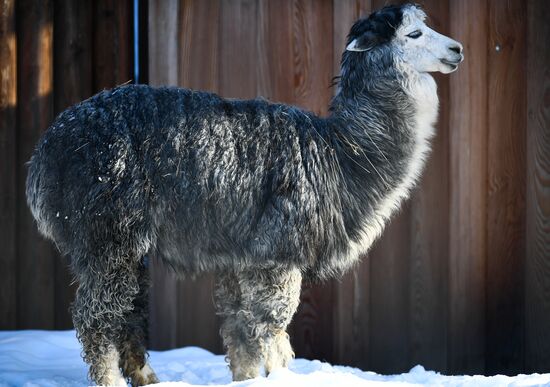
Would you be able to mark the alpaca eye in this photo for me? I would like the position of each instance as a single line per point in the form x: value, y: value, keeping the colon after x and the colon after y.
x: 415, y: 34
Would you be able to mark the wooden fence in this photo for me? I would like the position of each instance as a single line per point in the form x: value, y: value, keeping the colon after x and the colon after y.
x: 459, y: 282
x: 52, y: 55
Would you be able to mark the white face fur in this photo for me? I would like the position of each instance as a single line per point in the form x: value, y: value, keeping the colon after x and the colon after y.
x: 422, y: 48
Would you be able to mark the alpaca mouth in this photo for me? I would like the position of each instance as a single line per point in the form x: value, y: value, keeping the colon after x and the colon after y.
x: 453, y: 64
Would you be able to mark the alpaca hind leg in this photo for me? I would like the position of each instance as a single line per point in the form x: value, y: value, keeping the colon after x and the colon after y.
x: 227, y: 300
x: 107, y: 289
x: 133, y: 354
x: 254, y: 332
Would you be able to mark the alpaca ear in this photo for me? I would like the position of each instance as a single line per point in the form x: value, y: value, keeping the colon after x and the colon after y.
x: 365, y: 42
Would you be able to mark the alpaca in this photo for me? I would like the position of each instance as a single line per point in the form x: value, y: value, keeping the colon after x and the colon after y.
x: 263, y: 194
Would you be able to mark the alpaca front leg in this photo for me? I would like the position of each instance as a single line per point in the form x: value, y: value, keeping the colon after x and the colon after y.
x: 279, y: 352
x: 244, y: 358
x: 255, y: 322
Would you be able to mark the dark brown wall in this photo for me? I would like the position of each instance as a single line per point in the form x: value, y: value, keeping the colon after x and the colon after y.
x: 52, y: 55
x: 460, y: 280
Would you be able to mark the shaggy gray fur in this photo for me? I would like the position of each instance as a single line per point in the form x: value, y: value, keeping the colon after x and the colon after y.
x: 261, y: 193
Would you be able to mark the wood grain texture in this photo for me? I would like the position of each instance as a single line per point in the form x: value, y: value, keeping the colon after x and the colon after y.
x: 506, y: 187
x: 36, y: 256
x: 537, y: 266
x: 8, y: 165
x: 429, y: 229
x: 113, y: 43
x: 389, y: 302
x: 163, y: 70
x: 239, y: 49
x: 198, y: 54
x: 163, y: 42
x: 468, y: 131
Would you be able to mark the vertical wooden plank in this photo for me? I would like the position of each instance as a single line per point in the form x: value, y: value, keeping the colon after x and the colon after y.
x: 312, y: 52
x: 113, y: 43
x: 468, y: 190
x: 198, y: 56
x: 163, y: 42
x: 8, y: 164
x: 238, y: 74
x: 163, y: 70
x: 73, y: 53
x: 143, y: 39
x: 388, y: 304
x: 36, y: 256
x: 351, y: 293
x: 430, y: 231
x: 197, y: 321
x: 537, y: 269
x: 506, y: 195
x: 72, y: 84
x: 197, y: 62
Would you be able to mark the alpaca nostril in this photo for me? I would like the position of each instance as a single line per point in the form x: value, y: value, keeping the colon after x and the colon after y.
x: 456, y: 48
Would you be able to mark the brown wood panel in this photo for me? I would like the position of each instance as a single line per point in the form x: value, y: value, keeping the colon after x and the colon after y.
x: 36, y: 257
x: 72, y: 83
x: 163, y: 70
x: 113, y: 43
x: 8, y: 164
x: 163, y: 42
x: 198, y: 54
x: 537, y: 268
x: 429, y: 229
x: 506, y: 187
x: 239, y: 49
x: 351, y: 293
x: 468, y: 190
x: 163, y: 308
x: 389, y: 301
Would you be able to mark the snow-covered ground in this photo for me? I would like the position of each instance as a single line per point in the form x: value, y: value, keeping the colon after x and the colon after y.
x: 52, y: 358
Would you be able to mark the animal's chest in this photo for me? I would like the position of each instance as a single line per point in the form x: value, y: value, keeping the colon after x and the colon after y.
x: 423, y: 93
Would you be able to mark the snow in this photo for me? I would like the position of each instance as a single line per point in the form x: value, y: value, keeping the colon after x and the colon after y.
x: 52, y: 358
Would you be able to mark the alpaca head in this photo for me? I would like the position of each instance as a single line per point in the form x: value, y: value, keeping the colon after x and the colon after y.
x: 401, y: 33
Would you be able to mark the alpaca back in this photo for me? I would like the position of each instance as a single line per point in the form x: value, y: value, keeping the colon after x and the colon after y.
x: 205, y: 181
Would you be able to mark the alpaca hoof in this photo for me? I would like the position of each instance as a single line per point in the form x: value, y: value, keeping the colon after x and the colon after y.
x: 280, y: 353
x: 244, y: 374
x: 144, y: 376
x: 113, y: 381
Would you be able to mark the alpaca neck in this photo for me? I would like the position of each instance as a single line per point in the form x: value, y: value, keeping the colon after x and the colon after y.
x: 383, y: 127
